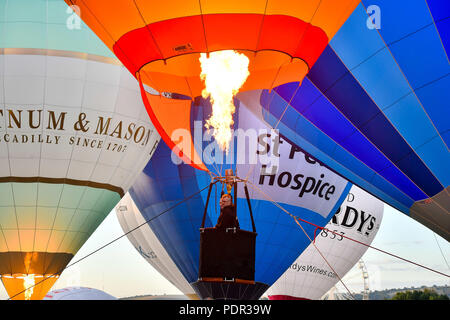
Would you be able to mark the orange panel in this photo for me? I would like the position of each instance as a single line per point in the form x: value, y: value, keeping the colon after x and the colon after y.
x: 302, y: 9
x: 183, y: 65
x: 164, y: 82
x: 233, y: 6
x: 172, y: 119
x: 196, y: 85
x: 158, y: 10
x: 332, y: 14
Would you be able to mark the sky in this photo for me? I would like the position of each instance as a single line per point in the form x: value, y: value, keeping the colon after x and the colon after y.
x: 406, y: 238
x: 119, y: 270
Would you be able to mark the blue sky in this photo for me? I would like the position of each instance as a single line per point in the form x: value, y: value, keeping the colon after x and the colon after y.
x: 119, y: 270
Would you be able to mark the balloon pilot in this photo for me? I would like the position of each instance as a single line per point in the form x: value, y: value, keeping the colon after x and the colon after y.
x: 227, y: 217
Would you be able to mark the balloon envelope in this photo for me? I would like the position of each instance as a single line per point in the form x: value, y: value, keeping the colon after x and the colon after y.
x: 310, y: 276
x: 147, y: 244
x: 281, y: 176
x: 73, y: 136
x: 160, y: 43
x: 374, y: 107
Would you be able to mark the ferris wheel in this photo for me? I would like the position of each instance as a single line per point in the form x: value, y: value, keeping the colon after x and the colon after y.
x: 365, y: 275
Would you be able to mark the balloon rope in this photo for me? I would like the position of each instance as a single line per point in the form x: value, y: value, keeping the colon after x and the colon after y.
x: 325, y: 259
x: 440, y: 249
x: 116, y: 239
x: 369, y: 246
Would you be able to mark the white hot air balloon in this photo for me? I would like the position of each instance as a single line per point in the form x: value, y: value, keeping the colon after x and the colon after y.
x: 310, y: 277
x: 78, y: 293
x: 147, y: 244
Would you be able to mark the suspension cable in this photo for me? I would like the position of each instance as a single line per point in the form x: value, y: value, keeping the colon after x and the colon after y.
x: 296, y: 219
x: 440, y: 249
x: 304, y: 231
x: 359, y: 242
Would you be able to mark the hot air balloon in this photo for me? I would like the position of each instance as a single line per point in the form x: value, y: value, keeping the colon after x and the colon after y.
x: 73, y: 136
x: 374, y: 107
x: 311, y: 276
x: 147, y: 244
x: 188, y: 49
x: 283, y: 175
x: 161, y: 44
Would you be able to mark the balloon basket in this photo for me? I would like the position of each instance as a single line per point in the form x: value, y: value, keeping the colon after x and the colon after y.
x: 227, y: 256
x: 221, y: 289
x: 227, y: 265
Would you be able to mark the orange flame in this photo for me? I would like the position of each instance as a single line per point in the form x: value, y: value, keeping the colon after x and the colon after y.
x: 28, y: 284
